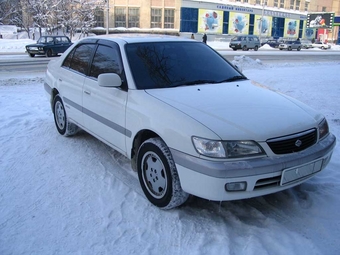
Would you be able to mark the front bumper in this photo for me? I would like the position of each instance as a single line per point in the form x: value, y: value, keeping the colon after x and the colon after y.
x: 207, y: 178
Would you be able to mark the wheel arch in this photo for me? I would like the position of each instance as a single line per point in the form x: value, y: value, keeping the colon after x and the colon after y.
x: 139, y: 138
x: 54, y: 92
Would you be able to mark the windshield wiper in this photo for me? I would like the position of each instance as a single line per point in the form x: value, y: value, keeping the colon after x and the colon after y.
x: 234, y: 78
x: 195, y: 82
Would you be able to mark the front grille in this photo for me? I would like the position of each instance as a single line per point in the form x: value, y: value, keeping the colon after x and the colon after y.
x: 293, y: 143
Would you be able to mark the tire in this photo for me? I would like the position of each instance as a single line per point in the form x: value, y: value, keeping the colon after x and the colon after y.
x: 299, y: 48
x: 32, y: 55
x: 234, y: 49
x: 49, y: 53
x: 289, y: 48
x: 281, y: 49
x: 256, y: 48
x: 62, y: 124
x: 244, y: 48
x: 322, y: 47
x: 158, y: 175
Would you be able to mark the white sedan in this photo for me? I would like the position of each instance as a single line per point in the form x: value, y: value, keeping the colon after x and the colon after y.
x: 321, y: 45
x: 190, y: 122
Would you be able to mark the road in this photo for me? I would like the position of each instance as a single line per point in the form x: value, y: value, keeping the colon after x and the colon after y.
x: 22, y: 62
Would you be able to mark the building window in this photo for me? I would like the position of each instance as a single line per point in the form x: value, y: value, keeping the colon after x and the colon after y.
x: 323, y: 8
x: 276, y: 3
x: 306, y: 6
x: 169, y: 18
x: 133, y: 17
x: 120, y: 17
x: 282, y: 4
x: 258, y: 2
x: 99, y: 17
x: 297, y: 5
x: 291, y: 6
x: 156, y: 18
x: 245, y: 1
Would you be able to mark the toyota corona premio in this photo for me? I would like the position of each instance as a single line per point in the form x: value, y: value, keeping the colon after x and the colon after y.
x: 189, y: 121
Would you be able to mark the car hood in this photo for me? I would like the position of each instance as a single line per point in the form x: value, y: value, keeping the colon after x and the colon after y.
x: 35, y: 45
x: 240, y: 110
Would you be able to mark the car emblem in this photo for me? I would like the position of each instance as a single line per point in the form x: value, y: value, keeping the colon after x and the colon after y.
x: 298, y: 143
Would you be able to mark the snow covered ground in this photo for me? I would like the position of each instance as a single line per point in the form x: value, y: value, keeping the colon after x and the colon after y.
x: 78, y: 196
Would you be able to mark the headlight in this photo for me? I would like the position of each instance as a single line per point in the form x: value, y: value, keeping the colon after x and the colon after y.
x: 323, y: 129
x: 209, y: 148
x: 227, y: 149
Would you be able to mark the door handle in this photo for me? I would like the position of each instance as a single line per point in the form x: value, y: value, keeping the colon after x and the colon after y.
x: 87, y: 92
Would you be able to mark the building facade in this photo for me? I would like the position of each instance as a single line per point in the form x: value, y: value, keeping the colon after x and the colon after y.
x: 266, y: 18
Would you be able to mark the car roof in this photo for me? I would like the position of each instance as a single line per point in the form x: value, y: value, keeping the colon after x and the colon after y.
x: 137, y: 38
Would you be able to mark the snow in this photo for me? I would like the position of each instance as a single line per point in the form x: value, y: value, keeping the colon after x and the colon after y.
x: 78, y: 196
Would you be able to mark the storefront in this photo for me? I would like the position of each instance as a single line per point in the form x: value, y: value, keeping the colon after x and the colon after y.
x: 233, y: 19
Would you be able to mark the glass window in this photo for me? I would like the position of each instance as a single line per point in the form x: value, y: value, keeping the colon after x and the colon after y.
x: 282, y: 3
x: 65, y: 40
x: 297, y: 5
x: 324, y: 8
x: 81, y: 58
x: 171, y: 64
x: 133, y: 17
x: 291, y: 6
x: 99, y: 17
x: 156, y: 18
x: 169, y: 18
x: 68, y: 59
x: 306, y: 6
x: 276, y: 3
x: 106, y: 60
x: 120, y: 17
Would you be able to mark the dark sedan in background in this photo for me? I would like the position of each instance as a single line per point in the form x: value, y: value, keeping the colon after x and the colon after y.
x: 49, y: 46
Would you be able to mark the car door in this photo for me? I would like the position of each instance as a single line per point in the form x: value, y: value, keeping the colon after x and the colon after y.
x: 71, y: 80
x: 104, y: 107
x: 64, y: 44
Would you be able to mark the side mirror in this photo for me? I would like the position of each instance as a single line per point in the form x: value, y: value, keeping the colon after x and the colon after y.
x: 109, y: 80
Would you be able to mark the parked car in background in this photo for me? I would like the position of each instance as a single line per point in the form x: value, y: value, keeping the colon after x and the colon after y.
x: 306, y: 44
x: 321, y: 45
x: 49, y: 46
x: 235, y: 140
x: 245, y: 42
x: 290, y: 45
x: 274, y: 43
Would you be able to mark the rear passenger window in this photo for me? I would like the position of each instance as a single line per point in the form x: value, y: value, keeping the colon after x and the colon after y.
x: 79, y: 58
x: 106, y: 60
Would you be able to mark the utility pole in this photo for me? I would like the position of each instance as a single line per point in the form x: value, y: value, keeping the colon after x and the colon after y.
x: 107, y: 16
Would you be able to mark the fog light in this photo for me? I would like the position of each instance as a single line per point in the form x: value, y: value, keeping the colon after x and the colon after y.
x: 236, y: 186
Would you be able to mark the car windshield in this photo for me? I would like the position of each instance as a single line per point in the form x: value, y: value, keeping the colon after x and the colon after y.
x: 173, y: 64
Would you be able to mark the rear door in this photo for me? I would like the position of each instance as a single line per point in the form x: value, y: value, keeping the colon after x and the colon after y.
x: 104, y: 107
x: 71, y: 80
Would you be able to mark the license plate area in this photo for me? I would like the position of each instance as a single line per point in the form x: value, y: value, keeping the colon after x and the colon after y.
x: 296, y: 173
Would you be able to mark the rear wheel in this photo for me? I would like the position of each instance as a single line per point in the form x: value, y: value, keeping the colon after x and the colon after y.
x: 62, y: 124
x: 244, y: 48
x: 235, y: 49
x: 322, y: 47
x: 256, y: 48
x: 289, y: 48
x: 32, y: 55
x: 158, y: 175
x: 299, y: 48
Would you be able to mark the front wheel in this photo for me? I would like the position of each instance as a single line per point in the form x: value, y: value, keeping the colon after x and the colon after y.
x: 158, y: 175
x: 32, y: 55
x: 63, y: 126
x: 289, y: 48
x: 256, y: 48
x: 244, y: 48
x: 299, y: 48
x: 49, y: 53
